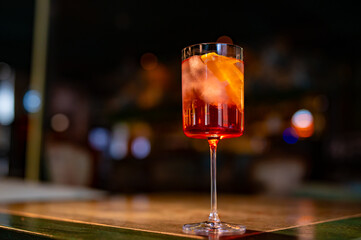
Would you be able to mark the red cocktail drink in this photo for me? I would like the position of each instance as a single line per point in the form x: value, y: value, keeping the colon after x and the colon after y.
x: 212, y: 96
x: 213, y: 93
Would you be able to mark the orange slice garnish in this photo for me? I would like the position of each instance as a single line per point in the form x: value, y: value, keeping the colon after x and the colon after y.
x: 230, y: 70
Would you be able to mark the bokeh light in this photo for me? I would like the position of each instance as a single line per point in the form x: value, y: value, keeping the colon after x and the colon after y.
x: 305, y: 132
x: 320, y: 123
x: 290, y: 135
x: 274, y: 124
x: 258, y: 144
x: 6, y: 103
x: 302, y: 118
x: 142, y: 129
x: 118, y: 148
x: 303, y: 123
x: 141, y: 147
x: 155, y: 83
x: 320, y: 103
x: 225, y: 39
x: 99, y: 138
x: 119, y: 143
x: 148, y: 61
x: 60, y: 122
x: 32, y: 101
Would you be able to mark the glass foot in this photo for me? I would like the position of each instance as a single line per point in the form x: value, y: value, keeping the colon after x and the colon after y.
x: 219, y: 228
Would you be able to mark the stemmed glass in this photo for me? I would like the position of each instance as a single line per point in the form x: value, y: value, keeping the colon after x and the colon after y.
x: 213, y: 104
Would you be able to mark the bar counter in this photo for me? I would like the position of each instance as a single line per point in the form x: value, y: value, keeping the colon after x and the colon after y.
x: 161, y: 216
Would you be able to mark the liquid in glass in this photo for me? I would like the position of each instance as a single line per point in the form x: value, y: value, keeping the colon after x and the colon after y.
x: 213, y: 101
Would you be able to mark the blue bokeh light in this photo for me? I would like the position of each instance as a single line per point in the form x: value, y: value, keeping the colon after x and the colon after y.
x: 99, y: 138
x: 290, y: 136
x: 141, y: 147
x: 32, y: 101
x: 6, y: 103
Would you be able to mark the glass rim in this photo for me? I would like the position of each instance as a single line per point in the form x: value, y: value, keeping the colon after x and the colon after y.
x: 214, y: 43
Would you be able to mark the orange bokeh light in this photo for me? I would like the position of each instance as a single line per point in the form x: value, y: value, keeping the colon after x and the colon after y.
x: 148, y: 61
x: 304, y: 132
x: 225, y: 39
x: 303, y: 123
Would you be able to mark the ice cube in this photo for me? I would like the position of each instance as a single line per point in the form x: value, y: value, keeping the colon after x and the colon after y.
x: 197, y: 79
x: 188, y: 81
x: 214, y: 91
x: 197, y: 67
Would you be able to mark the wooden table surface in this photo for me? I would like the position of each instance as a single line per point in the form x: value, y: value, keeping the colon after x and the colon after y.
x: 161, y: 216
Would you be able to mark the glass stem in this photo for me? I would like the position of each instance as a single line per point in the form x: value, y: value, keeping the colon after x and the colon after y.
x: 213, y: 216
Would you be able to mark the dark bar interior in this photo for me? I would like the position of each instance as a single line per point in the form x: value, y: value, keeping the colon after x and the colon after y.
x: 91, y: 108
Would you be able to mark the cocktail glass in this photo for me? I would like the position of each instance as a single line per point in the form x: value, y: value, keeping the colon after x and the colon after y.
x: 213, y: 104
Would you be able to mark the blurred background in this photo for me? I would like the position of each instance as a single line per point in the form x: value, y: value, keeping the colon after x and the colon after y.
x: 90, y: 95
